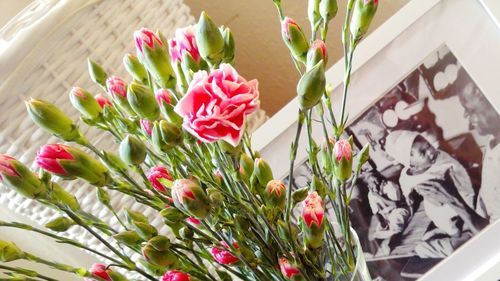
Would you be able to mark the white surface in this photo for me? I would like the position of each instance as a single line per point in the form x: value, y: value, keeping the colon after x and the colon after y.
x: 384, y: 59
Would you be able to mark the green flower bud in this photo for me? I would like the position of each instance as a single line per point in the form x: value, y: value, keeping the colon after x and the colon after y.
x: 215, y: 196
x: 275, y: 194
x: 143, y: 102
x: 319, y: 186
x: 85, y: 103
x: 97, y: 73
x: 342, y: 154
x: 145, y: 230
x: 362, y: 16
x: 230, y: 149
x: 209, y: 40
x: 152, y: 51
x: 313, y: 11
x: 115, y: 276
x: 133, y: 216
x: 300, y: 194
x: 132, y: 150
x: 59, y: 224
x: 60, y: 196
x: 328, y: 9
x: 262, y: 171
x: 172, y: 215
x: 363, y: 156
x: 311, y: 86
x: 295, y: 39
x: 103, y: 196
x: 186, y: 233
x: 190, y: 197
x: 10, y: 252
x: 229, y: 45
x: 166, y: 135
x: 135, y: 68
x: 153, y: 269
x: 129, y: 238
x: 18, y: 177
x: 157, y: 251
x: 50, y: 118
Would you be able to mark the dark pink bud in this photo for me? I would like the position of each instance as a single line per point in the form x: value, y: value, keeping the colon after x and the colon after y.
x: 116, y: 86
x: 287, y: 269
x: 285, y: 26
x: 155, y: 174
x: 312, y: 209
x: 163, y: 95
x: 49, y: 155
x: 319, y: 44
x: 224, y: 257
x: 184, y: 42
x: 145, y: 37
x: 192, y: 220
x: 6, y: 166
x: 342, y: 149
x: 174, y: 275
x: 146, y: 126
x: 102, y: 100
x: 99, y: 270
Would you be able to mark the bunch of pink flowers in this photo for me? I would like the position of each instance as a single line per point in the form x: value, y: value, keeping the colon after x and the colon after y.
x: 180, y: 126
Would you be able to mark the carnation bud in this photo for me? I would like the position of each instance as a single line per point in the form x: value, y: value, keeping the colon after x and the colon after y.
x: 229, y: 45
x: 117, y: 88
x: 312, y: 220
x: 99, y: 270
x: 97, y: 73
x: 363, y: 156
x: 103, y: 196
x: 311, y: 86
x: 53, y: 120
x: 84, y: 102
x: 145, y: 230
x: 313, y: 11
x: 153, y: 54
x: 262, y: 171
x: 157, y: 175
x: 319, y: 186
x: 113, y: 162
x: 342, y: 154
x: 231, y: 149
x: 59, y: 224
x: 157, y: 251
x: 186, y: 233
x: 300, y: 194
x: 10, y: 252
x: 223, y: 256
x: 362, y: 16
x: 134, y: 216
x: 172, y: 215
x: 328, y: 9
x: 142, y: 100
x: 288, y: 270
x: 295, y: 39
x: 129, y: 238
x: 209, y: 40
x: 190, y: 197
x: 316, y: 53
x: 135, y: 68
x: 18, y: 177
x: 132, y: 150
x: 60, y: 196
x: 146, y: 126
x: 174, y: 275
x: 67, y: 161
x: 215, y: 196
x: 246, y: 167
x: 102, y: 101
x: 275, y: 194
x: 166, y: 135
x: 115, y: 276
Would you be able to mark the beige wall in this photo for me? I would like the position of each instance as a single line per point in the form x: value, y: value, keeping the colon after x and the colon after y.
x: 261, y: 53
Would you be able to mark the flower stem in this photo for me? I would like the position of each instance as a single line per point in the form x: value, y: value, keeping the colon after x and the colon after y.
x: 27, y: 272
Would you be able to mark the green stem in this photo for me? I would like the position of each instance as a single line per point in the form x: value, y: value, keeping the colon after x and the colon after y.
x: 27, y: 272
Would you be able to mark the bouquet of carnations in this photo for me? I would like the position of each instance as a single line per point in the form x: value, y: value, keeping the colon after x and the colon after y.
x: 184, y: 151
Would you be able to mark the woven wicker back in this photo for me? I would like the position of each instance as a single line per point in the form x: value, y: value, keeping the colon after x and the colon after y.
x: 56, y: 61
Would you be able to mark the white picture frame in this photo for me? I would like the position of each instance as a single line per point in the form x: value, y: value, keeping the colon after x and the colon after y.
x: 383, y: 52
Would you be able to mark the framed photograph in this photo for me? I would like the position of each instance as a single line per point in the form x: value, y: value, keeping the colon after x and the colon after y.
x: 425, y: 95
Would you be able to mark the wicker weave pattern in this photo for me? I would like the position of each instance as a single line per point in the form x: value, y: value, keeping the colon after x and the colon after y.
x: 56, y: 64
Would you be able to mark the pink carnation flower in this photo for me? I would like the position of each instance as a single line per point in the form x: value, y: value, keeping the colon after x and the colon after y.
x: 184, y: 42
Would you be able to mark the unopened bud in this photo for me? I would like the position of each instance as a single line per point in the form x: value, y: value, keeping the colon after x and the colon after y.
x: 262, y: 171
x: 97, y: 73
x: 311, y: 86
x: 362, y: 15
x: 132, y: 150
x: 209, y: 40
x: 135, y: 68
x: 84, y: 102
x: 166, y: 135
x: 129, y: 238
x: 328, y: 9
x: 142, y: 100
x: 295, y: 39
x: 59, y: 224
x: 10, y: 252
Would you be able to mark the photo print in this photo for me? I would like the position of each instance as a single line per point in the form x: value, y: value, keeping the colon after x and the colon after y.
x: 432, y: 181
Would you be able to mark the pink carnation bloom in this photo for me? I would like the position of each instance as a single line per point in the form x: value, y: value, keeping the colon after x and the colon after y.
x: 155, y: 174
x: 312, y: 210
x: 49, y: 155
x: 216, y: 105
x: 184, y: 42
x: 287, y: 269
x: 224, y: 257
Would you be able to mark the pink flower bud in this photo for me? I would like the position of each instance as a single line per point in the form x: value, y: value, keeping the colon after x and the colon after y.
x: 49, y: 155
x: 155, y: 174
x: 102, y: 100
x: 99, y: 270
x: 184, y: 42
x: 224, y: 257
x: 342, y: 149
x: 285, y: 27
x: 163, y: 95
x: 287, y: 269
x: 194, y: 221
x: 275, y: 193
x: 145, y: 36
x: 312, y: 210
x: 146, y: 126
x: 190, y: 196
x: 174, y: 275
x: 320, y: 44
x: 116, y: 86
x: 6, y: 166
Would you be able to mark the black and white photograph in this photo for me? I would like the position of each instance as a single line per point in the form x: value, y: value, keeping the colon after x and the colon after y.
x: 432, y: 180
